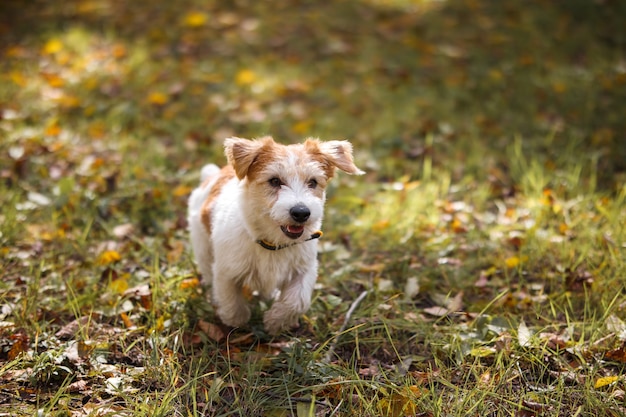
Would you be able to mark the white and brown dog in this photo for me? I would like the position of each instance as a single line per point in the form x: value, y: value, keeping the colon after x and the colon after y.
x: 253, y: 225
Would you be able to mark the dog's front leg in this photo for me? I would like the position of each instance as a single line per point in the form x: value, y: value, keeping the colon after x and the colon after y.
x: 294, y: 300
x: 231, y: 305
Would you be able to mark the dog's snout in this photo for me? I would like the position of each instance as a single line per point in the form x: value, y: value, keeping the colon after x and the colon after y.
x: 300, y: 213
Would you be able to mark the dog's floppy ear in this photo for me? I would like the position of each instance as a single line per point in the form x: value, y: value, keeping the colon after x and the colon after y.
x: 241, y: 153
x: 339, y: 154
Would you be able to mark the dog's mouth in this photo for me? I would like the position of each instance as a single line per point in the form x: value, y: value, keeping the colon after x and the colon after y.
x: 292, y: 231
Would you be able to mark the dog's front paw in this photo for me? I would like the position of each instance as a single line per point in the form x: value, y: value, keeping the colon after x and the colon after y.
x: 234, y: 316
x: 277, y: 319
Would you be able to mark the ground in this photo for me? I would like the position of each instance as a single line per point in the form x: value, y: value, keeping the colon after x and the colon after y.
x: 476, y: 269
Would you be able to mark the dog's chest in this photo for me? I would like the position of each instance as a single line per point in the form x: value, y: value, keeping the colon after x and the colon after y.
x: 269, y: 271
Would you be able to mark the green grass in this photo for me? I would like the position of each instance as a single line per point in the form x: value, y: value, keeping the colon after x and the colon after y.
x: 488, y: 231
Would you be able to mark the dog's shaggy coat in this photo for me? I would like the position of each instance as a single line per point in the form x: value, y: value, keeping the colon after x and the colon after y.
x: 253, y: 225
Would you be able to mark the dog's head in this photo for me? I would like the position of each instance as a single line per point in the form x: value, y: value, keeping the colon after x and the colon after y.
x: 284, y: 185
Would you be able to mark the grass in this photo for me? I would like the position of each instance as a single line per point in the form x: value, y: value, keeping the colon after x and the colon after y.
x: 488, y: 232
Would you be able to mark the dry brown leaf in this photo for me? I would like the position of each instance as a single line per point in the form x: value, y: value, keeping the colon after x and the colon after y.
x: 69, y: 330
x: 437, y: 311
x: 213, y: 331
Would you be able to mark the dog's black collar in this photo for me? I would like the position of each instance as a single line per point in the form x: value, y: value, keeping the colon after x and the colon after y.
x: 269, y: 246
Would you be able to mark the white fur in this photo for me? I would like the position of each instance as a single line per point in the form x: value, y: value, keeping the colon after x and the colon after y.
x: 248, y: 209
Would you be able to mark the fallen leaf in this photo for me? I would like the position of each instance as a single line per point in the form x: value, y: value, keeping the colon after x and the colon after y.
x: 523, y: 334
x: 381, y: 225
x: 411, y: 288
x: 120, y: 284
x: 52, y: 47
x: 512, y: 262
x: 176, y: 251
x: 20, y: 345
x: 189, y: 283
x: 79, y: 386
x: 196, y: 19
x: 157, y: 98
x: 376, y: 268
x: 213, y: 331
x: 123, y: 230
x: 436, y: 311
x: 456, y: 303
x: 606, y: 380
x: 108, y: 257
x: 71, y: 329
x: 302, y: 127
x: 181, y: 191
x: 483, y: 351
x: 617, y: 355
x: 18, y: 78
x: 52, y: 130
x: 245, y: 77
x: 401, y: 403
x: 128, y: 323
x: 53, y: 80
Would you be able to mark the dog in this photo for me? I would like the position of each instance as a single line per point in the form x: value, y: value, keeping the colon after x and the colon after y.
x: 253, y: 225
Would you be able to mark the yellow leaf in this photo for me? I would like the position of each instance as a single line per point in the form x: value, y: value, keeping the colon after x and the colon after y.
x: 302, y: 127
x: 189, y: 283
x: 96, y: 130
x: 377, y: 268
x: 18, y: 78
x: 496, y: 75
x: 109, y: 257
x: 512, y: 262
x: 181, y: 191
x: 54, y: 80
x: 196, y: 19
x: 400, y: 404
x: 52, y: 47
x: 157, y: 98
x: 381, y: 225
x: 457, y: 226
x: 607, y: 380
x: 482, y: 351
x: 245, y: 77
x: 69, y: 102
x: 53, y: 130
x: 559, y: 87
x: 119, y: 50
x: 120, y: 285
x: 160, y: 324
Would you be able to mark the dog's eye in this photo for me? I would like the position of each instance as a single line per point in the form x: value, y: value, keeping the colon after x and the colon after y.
x: 275, y: 182
x: 312, y: 183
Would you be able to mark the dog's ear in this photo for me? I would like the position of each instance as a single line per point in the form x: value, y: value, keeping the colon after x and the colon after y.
x: 241, y: 153
x: 339, y: 154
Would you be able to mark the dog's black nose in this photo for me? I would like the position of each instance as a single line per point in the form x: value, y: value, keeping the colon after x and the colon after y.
x: 300, y: 213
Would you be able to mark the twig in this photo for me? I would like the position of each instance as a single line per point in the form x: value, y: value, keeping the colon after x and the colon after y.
x: 346, y: 319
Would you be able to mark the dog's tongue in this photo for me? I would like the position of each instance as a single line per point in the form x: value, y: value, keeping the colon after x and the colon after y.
x: 295, y: 229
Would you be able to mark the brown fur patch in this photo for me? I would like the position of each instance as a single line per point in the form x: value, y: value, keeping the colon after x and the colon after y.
x: 244, y: 154
x: 335, y: 153
x: 226, y: 174
x: 312, y: 148
x: 270, y: 151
